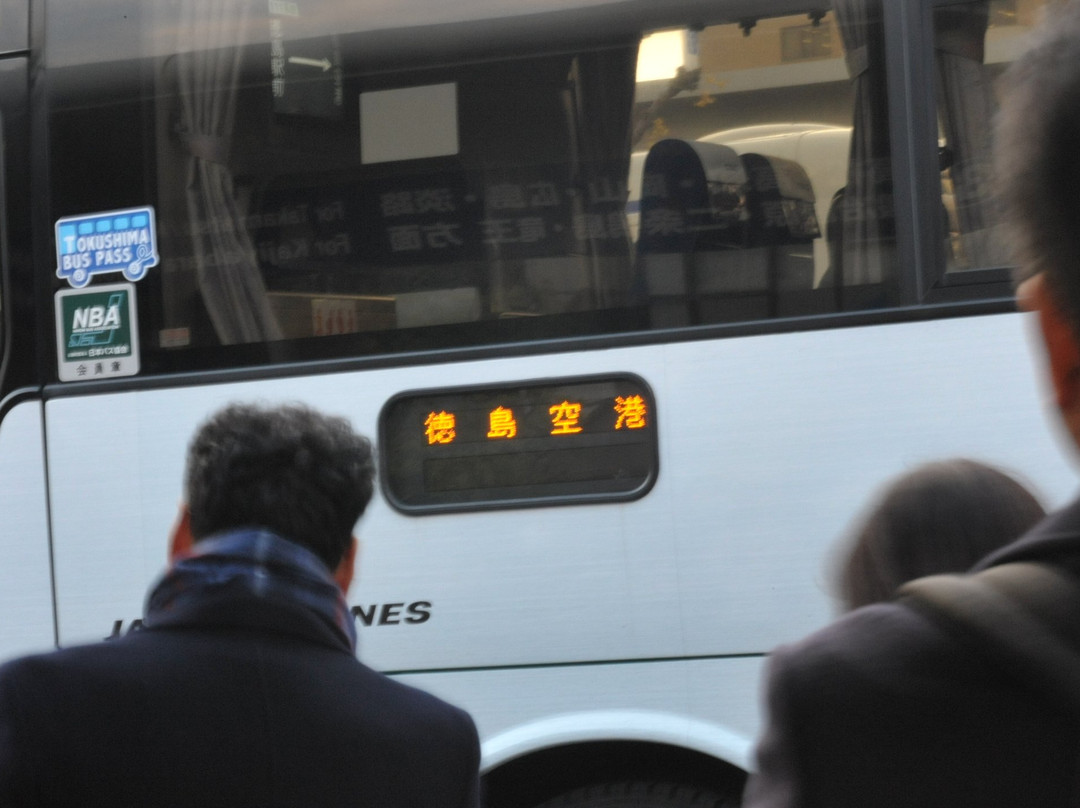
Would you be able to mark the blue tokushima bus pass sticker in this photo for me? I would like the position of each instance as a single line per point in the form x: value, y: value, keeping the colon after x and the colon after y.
x: 98, y: 243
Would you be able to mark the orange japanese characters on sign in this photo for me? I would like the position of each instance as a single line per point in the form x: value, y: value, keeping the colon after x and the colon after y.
x: 565, y: 418
x: 440, y: 427
x: 502, y: 424
x: 632, y: 411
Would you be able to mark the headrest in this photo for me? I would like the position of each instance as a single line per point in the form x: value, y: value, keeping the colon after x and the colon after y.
x: 781, y: 200
x: 692, y: 196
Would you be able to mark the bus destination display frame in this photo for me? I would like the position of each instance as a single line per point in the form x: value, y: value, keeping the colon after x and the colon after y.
x: 518, y: 444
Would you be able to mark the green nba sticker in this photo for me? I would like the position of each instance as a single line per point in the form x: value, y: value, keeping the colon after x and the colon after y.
x: 97, y: 336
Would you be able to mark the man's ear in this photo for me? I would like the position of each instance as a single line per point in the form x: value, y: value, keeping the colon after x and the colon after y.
x: 343, y: 575
x: 1062, y: 350
x: 1059, y: 338
x: 181, y: 540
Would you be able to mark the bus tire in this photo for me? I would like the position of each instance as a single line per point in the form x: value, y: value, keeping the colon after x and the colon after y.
x: 643, y: 794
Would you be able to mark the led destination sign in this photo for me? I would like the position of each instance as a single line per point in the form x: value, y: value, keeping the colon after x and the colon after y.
x: 555, y: 441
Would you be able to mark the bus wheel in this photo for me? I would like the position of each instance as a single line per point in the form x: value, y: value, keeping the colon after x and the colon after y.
x: 633, y: 794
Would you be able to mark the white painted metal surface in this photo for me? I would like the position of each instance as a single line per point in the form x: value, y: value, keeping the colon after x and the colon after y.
x: 26, y: 613
x: 709, y: 706
x: 768, y: 447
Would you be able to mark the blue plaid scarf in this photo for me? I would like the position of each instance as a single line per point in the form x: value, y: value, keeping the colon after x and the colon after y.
x: 255, y: 563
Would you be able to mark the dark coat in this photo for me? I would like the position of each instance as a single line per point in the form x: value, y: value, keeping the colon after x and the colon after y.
x: 235, y: 703
x: 883, y: 708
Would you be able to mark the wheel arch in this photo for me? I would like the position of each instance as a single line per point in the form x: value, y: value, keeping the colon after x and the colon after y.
x: 527, y: 765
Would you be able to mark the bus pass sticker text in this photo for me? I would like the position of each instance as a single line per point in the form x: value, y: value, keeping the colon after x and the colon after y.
x: 122, y: 241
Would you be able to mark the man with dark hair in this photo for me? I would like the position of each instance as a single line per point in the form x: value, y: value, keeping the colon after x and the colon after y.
x: 966, y: 690
x: 291, y: 470
x: 243, y: 688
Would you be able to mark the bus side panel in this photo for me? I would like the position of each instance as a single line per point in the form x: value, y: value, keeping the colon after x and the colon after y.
x: 440, y: 589
x: 710, y: 705
x: 102, y: 481
x: 801, y: 433
x: 769, y: 446
x: 26, y: 603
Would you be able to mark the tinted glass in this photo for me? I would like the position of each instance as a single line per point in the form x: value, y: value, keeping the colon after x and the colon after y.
x: 14, y: 25
x: 973, y: 44
x: 760, y: 176
x: 322, y: 187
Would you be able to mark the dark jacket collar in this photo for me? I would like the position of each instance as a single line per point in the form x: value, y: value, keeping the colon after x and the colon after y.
x: 1056, y: 539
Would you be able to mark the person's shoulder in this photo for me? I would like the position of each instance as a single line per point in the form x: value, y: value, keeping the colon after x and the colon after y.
x: 42, y: 684
x: 44, y: 665
x: 46, y: 659
x: 876, y: 625
x: 409, y: 702
x: 882, y: 645
x: 88, y: 665
x: 1055, y: 540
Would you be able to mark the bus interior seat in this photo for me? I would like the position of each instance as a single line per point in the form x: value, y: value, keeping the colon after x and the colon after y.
x: 776, y: 270
x: 781, y: 200
x: 692, y: 204
x: 745, y: 247
x: 833, y: 279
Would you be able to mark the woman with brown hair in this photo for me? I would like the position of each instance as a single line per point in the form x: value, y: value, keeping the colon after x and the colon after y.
x: 940, y: 517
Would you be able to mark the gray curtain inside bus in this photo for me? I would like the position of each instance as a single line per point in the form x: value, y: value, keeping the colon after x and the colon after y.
x: 966, y: 108
x: 868, y: 226
x: 209, y: 47
x: 600, y: 102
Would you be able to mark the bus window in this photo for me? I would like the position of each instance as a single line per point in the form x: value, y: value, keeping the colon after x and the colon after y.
x: 323, y: 187
x: 807, y: 225
x: 15, y: 30
x: 973, y: 43
x: 320, y: 189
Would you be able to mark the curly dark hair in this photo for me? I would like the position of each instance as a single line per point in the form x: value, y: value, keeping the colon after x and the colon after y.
x: 290, y: 469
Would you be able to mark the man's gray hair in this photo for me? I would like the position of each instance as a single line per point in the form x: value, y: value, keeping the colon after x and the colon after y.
x: 1038, y: 156
x: 290, y: 469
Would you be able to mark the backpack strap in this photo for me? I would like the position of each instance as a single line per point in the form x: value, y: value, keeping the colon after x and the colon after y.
x: 1024, y: 615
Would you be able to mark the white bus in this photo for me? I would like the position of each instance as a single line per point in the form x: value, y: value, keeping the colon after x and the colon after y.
x: 611, y: 468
